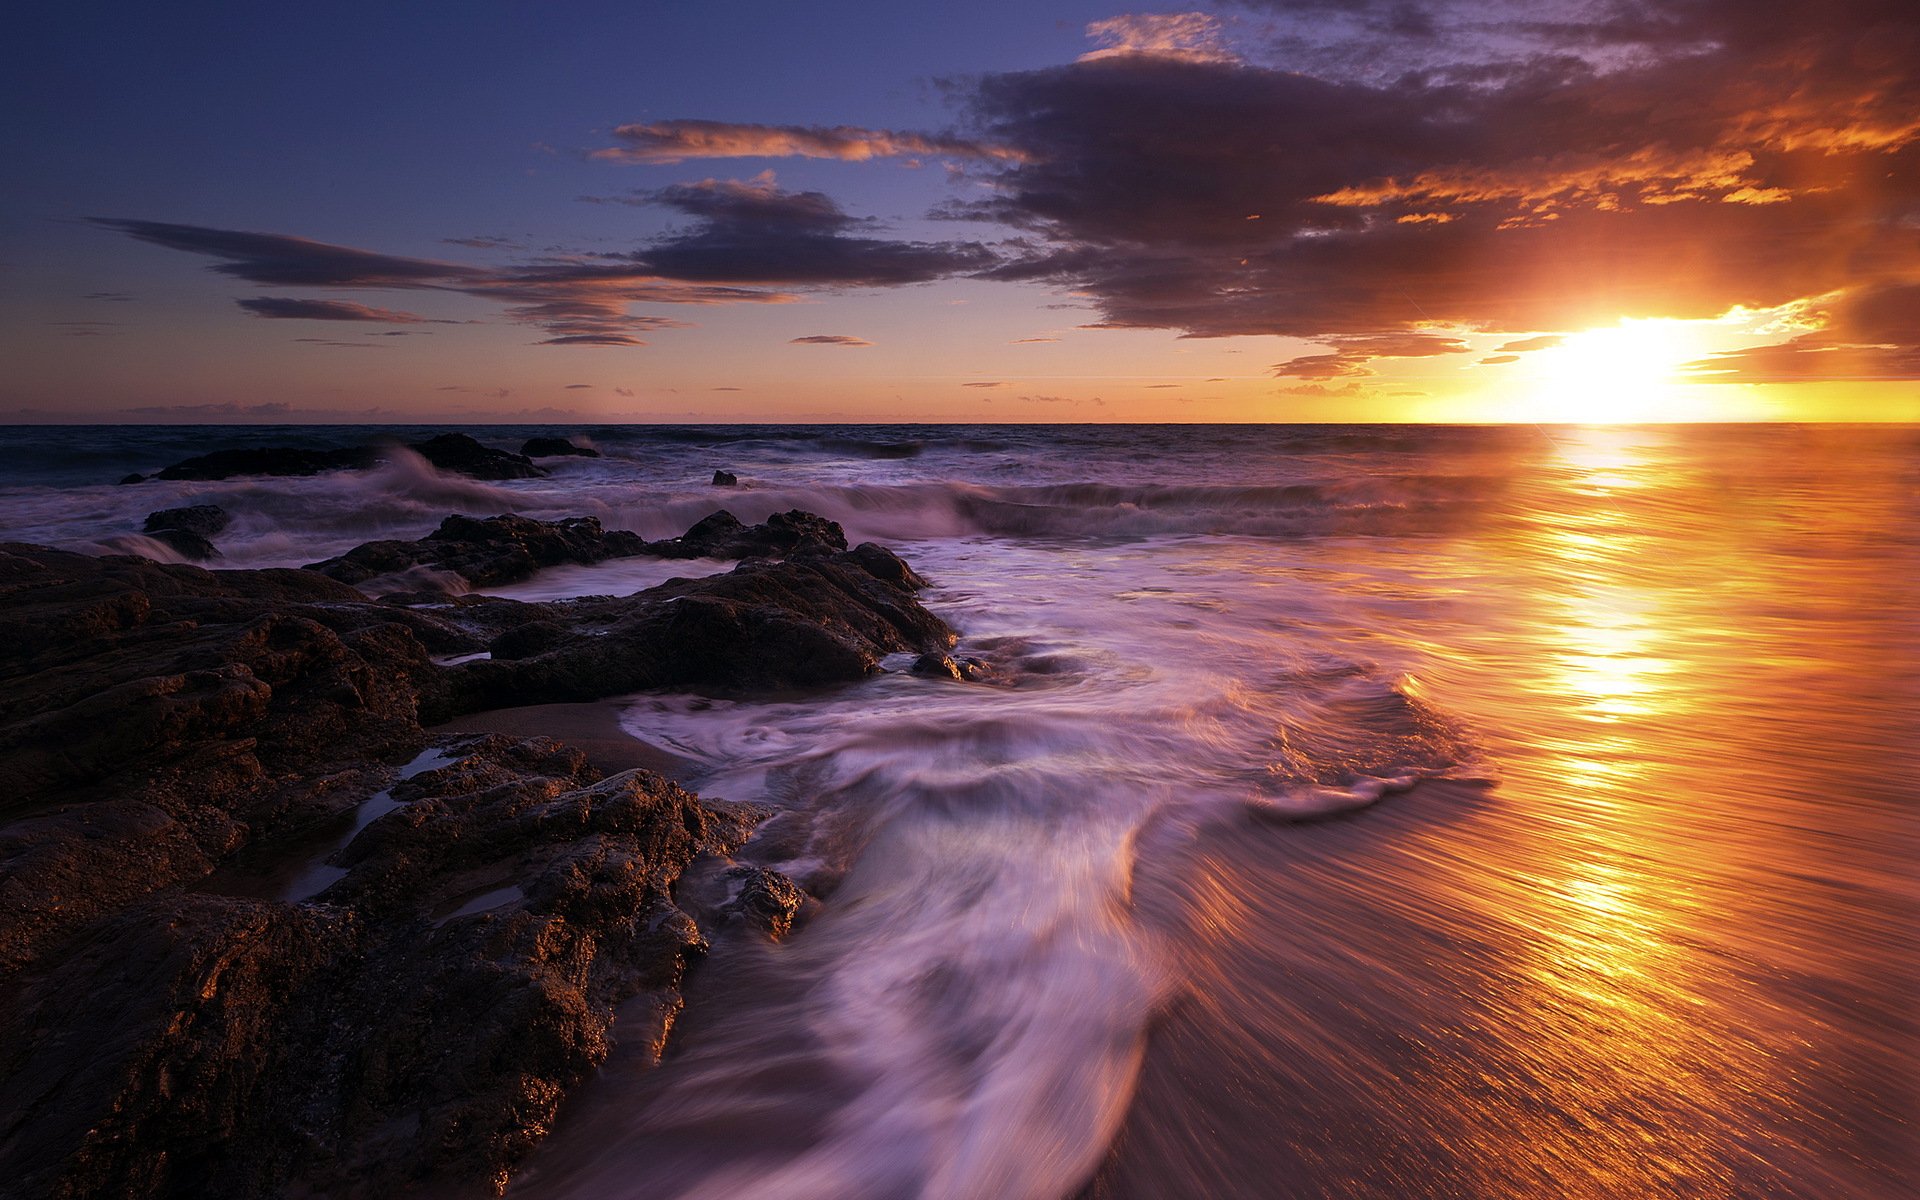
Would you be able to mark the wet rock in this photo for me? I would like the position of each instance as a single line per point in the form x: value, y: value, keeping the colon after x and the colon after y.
x: 449, y: 452
x: 486, y: 552
x: 136, y: 477
x: 273, y: 460
x: 173, y: 740
x: 555, y: 447
x: 725, y: 479
x: 191, y: 545
x: 767, y: 900
x: 805, y: 622
x: 203, y: 519
x: 722, y: 535
x: 461, y: 454
x: 384, y: 1037
x: 945, y: 666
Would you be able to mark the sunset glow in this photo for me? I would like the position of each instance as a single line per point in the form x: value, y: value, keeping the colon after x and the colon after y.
x: 1695, y: 210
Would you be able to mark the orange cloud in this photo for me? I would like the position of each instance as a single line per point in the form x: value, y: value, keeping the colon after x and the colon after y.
x: 677, y: 141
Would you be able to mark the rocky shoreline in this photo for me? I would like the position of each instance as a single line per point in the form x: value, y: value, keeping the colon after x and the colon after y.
x: 262, y: 933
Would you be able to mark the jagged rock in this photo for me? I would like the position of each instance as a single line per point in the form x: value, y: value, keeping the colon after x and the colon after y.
x: 944, y: 666
x: 459, y: 453
x: 725, y: 479
x: 805, y: 622
x: 171, y: 737
x: 405, y: 1030
x: 273, y: 460
x: 190, y: 545
x: 135, y: 477
x: 203, y: 519
x: 553, y: 447
x: 450, y: 452
x: 486, y: 552
x: 782, y: 535
x: 767, y: 900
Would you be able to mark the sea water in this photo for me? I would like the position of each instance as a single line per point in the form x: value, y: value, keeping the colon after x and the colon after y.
x: 1358, y: 811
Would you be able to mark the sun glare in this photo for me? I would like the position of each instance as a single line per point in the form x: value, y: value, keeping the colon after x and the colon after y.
x: 1619, y: 373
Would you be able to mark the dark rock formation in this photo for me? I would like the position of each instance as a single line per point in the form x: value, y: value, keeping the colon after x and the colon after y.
x: 497, y: 550
x: 783, y: 534
x: 554, y: 447
x: 274, y: 460
x: 189, y: 529
x: 191, y: 545
x: 176, y: 744
x: 486, y: 552
x: 725, y: 479
x: 449, y: 452
x: 136, y: 477
x: 805, y: 622
x: 421, y: 1021
x: 203, y: 519
x: 944, y: 666
x: 461, y: 454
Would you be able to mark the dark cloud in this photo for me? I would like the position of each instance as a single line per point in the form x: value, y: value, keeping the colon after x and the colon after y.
x: 271, y: 258
x: 284, y: 308
x: 577, y: 301
x: 575, y: 387
x: 110, y: 297
x: 677, y: 141
x: 1350, y: 355
x: 829, y: 339
x: 593, y: 339
x: 748, y: 240
x: 484, y: 242
x: 1867, y: 333
x: 755, y: 232
x: 990, y: 383
x: 1592, y: 162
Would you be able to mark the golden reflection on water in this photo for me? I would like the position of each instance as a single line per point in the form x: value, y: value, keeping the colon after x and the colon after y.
x: 1632, y: 680
x: 1673, y: 953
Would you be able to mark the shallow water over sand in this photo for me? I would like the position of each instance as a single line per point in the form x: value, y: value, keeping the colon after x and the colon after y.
x: 1348, y: 812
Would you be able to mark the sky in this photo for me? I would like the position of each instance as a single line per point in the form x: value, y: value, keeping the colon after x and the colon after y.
x: 1266, y: 210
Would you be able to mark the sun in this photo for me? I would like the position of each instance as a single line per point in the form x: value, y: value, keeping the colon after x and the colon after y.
x: 1618, y: 373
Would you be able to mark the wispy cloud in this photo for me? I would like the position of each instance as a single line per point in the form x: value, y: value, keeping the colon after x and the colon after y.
x: 284, y: 308
x: 677, y: 141
x: 1184, y: 37
x: 1353, y: 355
x: 829, y: 339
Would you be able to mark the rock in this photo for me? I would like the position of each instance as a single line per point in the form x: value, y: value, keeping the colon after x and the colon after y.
x: 767, y: 900
x: 449, y: 452
x: 406, y: 1030
x: 461, y: 454
x: 725, y: 479
x: 175, y: 742
x: 191, y: 545
x: 943, y: 666
x: 203, y: 519
x: 486, y: 552
x: 275, y: 460
x: 551, y: 447
x: 136, y: 477
x: 721, y: 535
x: 806, y: 622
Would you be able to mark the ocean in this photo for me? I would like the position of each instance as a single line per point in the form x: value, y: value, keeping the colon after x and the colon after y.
x: 1361, y: 811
